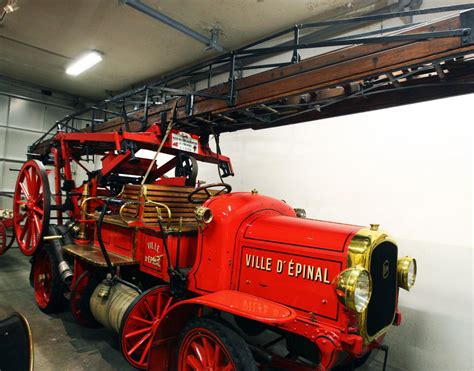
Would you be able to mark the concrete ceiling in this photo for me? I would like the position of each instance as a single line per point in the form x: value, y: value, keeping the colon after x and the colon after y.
x: 39, y: 40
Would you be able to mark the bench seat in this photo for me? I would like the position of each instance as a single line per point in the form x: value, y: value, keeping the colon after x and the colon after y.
x: 173, y: 197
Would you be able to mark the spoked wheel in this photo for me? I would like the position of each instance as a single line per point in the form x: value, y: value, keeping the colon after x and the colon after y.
x: 49, y: 290
x: 6, y: 241
x: 187, y: 167
x: 140, y: 322
x: 81, y: 293
x: 206, y: 344
x: 31, y: 206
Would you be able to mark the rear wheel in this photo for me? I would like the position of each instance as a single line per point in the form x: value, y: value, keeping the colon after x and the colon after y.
x: 47, y: 284
x: 81, y: 293
x: 3, y: 239
x: 210, y: 345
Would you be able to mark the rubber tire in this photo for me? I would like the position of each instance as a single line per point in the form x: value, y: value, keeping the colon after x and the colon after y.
x: 235, y: 344
x: 57, y: 302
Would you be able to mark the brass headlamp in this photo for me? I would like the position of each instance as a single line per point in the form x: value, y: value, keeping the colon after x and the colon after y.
x: 354, y: 288
x: 406, y: 272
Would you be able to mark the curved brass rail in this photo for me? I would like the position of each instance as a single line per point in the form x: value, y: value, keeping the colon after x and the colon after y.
x: 157, y: 205
x: 84, y: 205
x: 128, y: 203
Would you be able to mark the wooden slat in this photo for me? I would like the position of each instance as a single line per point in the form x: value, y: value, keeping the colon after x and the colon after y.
x: 164, y: 215
x: 154, y: 216
x: 256, y: 89
x: 157, y: 187
x: 93, y: 255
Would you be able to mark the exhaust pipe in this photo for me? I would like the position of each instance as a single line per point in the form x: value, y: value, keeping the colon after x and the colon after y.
x: 65, y: 271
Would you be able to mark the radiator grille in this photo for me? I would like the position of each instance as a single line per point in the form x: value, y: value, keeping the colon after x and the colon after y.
x: 383, y: 269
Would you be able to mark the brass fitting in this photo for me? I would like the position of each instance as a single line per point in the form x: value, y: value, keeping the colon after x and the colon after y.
x: 203, y: 214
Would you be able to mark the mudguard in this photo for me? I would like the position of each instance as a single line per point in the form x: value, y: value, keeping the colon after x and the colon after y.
x: 230, y: 301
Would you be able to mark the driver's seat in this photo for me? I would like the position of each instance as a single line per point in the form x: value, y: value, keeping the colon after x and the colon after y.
x: 176, y: 198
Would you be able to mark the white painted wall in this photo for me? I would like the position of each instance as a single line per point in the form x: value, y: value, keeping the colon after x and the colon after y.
x: 25, y: 115
x: 408, y: 168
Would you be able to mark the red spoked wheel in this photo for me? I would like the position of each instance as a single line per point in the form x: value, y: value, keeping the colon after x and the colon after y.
x: 140, y: 322
x: 206, y: 344
x: 31, y: 206
x: 79, y: 300
x: 47, y: 285
x: 6, y: 241
x: 3, y: 239
x: 42, y: 278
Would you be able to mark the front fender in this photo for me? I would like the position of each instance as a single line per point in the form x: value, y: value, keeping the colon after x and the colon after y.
x: 163, y: 350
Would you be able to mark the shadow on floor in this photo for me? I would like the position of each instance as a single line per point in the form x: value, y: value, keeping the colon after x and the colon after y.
x: 59, y: 342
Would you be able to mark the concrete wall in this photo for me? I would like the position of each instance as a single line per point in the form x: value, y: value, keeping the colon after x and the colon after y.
x: 407, y: 168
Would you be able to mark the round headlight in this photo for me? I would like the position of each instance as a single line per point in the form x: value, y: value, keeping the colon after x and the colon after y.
x: 354, y: 288
x: 406, y: 272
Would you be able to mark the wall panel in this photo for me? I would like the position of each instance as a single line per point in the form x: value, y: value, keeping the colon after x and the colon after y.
x: 22, y: 121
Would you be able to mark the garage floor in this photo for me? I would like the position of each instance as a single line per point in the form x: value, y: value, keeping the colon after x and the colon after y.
x: 60, y: 343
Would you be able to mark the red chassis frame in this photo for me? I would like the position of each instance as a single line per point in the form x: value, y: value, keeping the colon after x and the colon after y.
x: 255, y: 258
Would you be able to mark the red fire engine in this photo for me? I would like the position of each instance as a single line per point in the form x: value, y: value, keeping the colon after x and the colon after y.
x: 184, y: 274
x: 193, y: 275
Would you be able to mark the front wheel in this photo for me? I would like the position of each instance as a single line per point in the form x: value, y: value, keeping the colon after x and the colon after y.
x: 210, y: 345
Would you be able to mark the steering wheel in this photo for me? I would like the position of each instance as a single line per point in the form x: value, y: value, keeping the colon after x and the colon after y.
x: 225, y: 188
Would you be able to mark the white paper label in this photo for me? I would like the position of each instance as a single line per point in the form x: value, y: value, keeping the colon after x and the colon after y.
x: 184, y: 142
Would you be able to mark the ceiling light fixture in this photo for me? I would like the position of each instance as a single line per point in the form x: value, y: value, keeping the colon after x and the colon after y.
x: 83, y: 63
x: 11, y: 6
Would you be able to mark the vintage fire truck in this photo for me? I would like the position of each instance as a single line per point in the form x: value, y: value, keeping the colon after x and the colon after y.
x: 194, y: 276
x: 187, y: 273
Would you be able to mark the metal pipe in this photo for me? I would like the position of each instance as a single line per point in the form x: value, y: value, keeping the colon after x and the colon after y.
x: 138, y: 5
x: 56, y: 247
x: 379, y: 17
x: 369, y: 40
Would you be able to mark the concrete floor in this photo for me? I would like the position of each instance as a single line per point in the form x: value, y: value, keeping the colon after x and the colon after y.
x: 59, y: 342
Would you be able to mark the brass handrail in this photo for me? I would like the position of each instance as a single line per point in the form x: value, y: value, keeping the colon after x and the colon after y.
x: 84, y: 203
x: 157, y: 205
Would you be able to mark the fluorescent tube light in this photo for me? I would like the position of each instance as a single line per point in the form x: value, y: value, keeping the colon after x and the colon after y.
x: 84, y: 63
x: 11, y: 6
